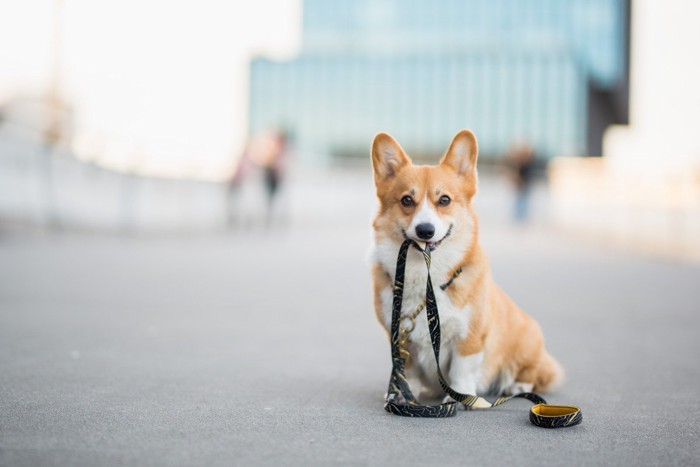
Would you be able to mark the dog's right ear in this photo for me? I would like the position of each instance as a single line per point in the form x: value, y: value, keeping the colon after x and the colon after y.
x: 387, y: 157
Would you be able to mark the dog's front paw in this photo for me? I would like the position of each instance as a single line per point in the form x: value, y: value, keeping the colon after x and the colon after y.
x: 479, y: 403
x: 449, y: 399
x: 518, y: 387
x: 395, y: 397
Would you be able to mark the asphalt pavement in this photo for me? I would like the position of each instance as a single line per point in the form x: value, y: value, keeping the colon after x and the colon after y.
x: 261, y: 348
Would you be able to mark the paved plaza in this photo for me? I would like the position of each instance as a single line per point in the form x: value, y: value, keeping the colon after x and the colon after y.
x: 261, y: 348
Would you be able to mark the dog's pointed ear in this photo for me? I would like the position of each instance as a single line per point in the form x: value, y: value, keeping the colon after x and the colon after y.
x: 387, y: 157
x: 462, y: 153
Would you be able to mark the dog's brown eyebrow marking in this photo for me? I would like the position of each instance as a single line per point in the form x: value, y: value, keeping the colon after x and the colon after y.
x: 413, y: 192
x: 437, y: 191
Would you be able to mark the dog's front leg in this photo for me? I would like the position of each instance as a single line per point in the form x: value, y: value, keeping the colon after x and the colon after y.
x: 413, y: 379
x: 414, y: 383
x: 464, y: 374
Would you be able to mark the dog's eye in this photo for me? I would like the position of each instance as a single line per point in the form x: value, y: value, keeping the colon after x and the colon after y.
x: 407, y: 201
x: 444, y: 200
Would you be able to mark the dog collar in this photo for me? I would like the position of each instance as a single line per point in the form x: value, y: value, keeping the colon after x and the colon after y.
x: 423, y: 250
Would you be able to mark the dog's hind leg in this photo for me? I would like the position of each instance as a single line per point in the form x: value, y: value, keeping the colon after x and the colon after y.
x: 545, y: 374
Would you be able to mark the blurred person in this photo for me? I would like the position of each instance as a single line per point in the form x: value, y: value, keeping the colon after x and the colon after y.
x: 274, y: 167
x: 259, y: 175
x: 521, y: 167
x: 238, y: 196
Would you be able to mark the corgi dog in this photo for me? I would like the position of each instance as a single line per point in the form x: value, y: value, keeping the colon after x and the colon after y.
x: 488, y: 344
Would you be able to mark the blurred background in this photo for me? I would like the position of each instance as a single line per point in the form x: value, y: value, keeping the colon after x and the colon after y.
x: 176, y: 116
x: 186, y: 200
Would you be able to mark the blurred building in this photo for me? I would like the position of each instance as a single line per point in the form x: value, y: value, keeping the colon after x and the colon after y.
x: 549, y: 71
x: 644, y: 193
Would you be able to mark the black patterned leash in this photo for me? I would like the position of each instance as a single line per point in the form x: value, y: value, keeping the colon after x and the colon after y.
x: 399, y: 398
x: 401, y: 401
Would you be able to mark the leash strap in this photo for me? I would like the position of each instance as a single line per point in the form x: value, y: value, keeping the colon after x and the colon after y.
x: 400, y: 400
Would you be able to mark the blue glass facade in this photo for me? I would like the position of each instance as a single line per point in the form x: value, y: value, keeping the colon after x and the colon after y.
x: 421, y: 70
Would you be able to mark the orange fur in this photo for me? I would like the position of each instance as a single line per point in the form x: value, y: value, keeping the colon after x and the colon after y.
x: 509, y: 338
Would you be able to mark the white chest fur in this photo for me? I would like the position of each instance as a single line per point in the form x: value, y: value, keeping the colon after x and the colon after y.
x: 454, y: 321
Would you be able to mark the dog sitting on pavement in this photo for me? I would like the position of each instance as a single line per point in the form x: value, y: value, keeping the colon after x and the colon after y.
x: 489, y: 345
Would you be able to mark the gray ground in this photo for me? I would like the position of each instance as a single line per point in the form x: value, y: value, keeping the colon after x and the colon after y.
x: 262, y: 349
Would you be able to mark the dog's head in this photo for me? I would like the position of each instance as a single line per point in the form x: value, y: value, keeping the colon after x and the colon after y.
x: 425, y: 203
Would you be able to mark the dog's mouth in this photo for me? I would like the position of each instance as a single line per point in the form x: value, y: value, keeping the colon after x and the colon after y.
x: 430, y: 246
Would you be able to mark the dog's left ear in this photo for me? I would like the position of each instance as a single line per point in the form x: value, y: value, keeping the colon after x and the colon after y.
x: 462, y: 153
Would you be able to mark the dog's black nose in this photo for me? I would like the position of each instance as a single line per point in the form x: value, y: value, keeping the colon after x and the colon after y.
x: 425, y: 231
